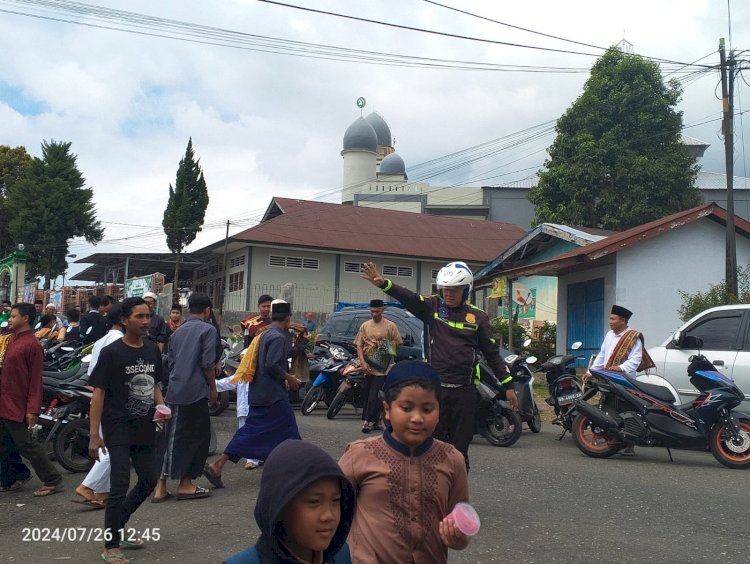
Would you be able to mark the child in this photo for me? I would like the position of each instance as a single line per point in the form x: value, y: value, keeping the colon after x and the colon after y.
x: 304, y: 510
x: 406, y: 481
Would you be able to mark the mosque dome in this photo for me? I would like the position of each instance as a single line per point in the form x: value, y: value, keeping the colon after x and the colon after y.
x: 360, y: 135
x: 393, y: 164
x: 381, y: 129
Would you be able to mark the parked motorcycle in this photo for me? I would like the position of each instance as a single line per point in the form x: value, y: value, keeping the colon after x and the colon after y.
x: 331, y: 360
x: 631, y: 411
x: 523, y: 384
x: 349, y: 390
x: 494, y: 419
x: 563, y: 386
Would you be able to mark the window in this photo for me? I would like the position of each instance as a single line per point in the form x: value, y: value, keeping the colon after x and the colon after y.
x: 236, y: 281
x: 435, y: 273
x: 402, y: 271
x: 293, y: 262
x: 718, y: 333
x: 353, y: 267
x: 237, y: 261
x: 214, y: 268
x: 202, y: 273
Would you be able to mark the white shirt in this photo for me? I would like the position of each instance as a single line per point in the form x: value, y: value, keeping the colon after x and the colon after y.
x: 630, y: 366
x: 111, y: 336
x: 224, y: 385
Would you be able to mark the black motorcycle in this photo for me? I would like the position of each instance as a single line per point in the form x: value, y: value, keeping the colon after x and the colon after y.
x: 563, y: 387
x: 632, y: 412
x: 350, y: 389
x: 494, y: 419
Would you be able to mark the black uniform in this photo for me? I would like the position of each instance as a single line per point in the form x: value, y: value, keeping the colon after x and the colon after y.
x: 452, y: 337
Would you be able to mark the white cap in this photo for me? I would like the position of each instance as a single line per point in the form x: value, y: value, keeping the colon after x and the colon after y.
x: 150, y: 295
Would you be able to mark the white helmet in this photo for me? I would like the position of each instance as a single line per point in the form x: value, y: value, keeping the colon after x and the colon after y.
x: 455, y: 274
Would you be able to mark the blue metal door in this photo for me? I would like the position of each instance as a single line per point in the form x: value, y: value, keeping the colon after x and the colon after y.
x: 586, y: 316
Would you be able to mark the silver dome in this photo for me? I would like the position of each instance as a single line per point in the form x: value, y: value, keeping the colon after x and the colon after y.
x: 381, y: 128
x: 393, y: 164
x: 360, y: 135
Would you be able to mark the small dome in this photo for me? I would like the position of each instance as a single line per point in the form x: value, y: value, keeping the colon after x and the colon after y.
x: 360, y: 135
x: 393, y: 164
x: 381, y: 128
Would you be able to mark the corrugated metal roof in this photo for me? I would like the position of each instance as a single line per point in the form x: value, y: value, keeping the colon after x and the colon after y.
x: 357, y: 229
x: 718, y: 181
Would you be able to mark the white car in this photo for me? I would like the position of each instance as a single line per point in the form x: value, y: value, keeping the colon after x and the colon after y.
x: 725, y: 333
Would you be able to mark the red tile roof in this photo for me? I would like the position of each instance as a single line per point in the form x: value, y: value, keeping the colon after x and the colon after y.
x: 355, y: 229
x: 610, y: 245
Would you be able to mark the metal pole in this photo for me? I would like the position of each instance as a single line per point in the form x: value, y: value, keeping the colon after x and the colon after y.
x: 727, y: 97
x: 224, y: 285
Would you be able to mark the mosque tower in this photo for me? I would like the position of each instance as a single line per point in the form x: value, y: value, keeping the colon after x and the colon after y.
x: 360, y: 158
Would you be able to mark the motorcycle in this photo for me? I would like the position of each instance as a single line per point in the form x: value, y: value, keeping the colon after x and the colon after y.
x: 631, y: 411
x: 350, y: 388
x: 494, y: 419
x: 563, y: 386
x: 328, y: 365
x: 523, y: 384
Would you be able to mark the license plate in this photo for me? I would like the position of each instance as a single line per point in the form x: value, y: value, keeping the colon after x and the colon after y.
x: 568, y: 398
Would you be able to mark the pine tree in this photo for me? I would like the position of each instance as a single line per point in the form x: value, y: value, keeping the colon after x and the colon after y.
x: 186, y: 208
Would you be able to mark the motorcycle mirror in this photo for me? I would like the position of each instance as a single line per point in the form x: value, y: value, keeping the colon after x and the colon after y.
x: 37, y: 326
x: 86, y: 359
x: 3, y: 325
x: 67, y: 349
x: 577, y: 345
x: 531, y: 360
x: 89, y: 330
x: 526, y: 343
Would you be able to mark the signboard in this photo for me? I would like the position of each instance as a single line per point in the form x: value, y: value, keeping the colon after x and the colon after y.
x: 55, y: 298
x: 29, y: 292
x: 499, y: 287
x: 136, y: 287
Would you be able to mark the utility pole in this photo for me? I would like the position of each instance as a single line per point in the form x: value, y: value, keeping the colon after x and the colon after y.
x: 727, y: 98
x: 224, y: 285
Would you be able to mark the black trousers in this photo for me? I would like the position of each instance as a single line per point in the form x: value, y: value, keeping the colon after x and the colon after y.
x: 122, y: 503
x: 373, y: 408
x: 188, y: 436
x: 31, y: 449
x: 12, y: 468
x: 456, y: 425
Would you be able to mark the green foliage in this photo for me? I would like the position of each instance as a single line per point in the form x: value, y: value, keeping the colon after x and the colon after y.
x: 716, y: 295
x: 500, y: 334
x: 14, y: 161
x: 545, y: 346
x: 49, y: 206
x: 617, y: 160
x: 188, y: 200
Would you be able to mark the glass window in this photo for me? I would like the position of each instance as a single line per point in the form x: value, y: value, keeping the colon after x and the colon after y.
x: 338, y: 324
x: 717, y: 333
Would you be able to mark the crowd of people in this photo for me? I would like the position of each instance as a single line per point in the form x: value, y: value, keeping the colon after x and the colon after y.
x: 386, y: 500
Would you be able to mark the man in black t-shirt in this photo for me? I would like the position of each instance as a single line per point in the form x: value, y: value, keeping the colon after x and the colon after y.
x: 125, y: 393
x: 94, y: 320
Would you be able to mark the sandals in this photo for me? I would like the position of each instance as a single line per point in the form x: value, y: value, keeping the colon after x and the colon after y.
x: 15, y: 486
x: 161, y: 499
x: 44, y: 491
x: 199, y: 493
x: 112, y: 557
x: 134, y: 543
x: 251, y: 465
x: 213, y: 478
x: 90, y: 503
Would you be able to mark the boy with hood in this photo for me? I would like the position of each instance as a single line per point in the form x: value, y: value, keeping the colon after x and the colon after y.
x: 304, y: 511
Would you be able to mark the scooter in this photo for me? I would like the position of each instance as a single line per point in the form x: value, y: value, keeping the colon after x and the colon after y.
x: 494, y: 419
x: 523, y: 384
x: 563, y: 386
x: 631, y: 411
x: 350, y: 389
x: 329, y: 365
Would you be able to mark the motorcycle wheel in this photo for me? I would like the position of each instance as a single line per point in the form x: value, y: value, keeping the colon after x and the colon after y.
x: 504, y: 430
x: 221, y: 404
x: 336, y: 405
x: 590, y: 443
x: 311, y: 400
x: 535, y: 423
x: 71, y: 446
x: 731, y: 455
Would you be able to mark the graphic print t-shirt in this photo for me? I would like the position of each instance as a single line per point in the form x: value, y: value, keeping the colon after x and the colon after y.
x: 128, y: 376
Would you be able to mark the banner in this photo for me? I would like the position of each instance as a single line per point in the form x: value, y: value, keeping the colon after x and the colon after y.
x: 499, y: 287
x: 136, y: 287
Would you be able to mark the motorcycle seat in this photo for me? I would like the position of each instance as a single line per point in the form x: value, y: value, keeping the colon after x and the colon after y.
x: 53, y: 377
x: 658, y: 392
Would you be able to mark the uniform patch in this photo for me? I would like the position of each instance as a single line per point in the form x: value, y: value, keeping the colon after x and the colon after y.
x: 471, y: 318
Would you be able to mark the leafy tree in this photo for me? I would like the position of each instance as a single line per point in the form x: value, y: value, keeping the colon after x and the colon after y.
x: 186, y: 208
x: 500, y: 334
x: 617, y: 160
x: 14, y: 161
x: 48, y: 207
x: 716, y: 295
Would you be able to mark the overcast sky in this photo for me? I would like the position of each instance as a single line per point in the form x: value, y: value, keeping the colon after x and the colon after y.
x: 266, y: 124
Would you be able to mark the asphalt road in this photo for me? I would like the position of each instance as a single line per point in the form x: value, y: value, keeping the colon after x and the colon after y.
x: 540, y: 501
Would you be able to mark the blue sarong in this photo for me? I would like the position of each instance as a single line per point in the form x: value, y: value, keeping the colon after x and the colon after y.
x: 266, y: 427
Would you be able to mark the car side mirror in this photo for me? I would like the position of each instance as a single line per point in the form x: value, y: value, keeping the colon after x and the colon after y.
x: 691, y: 342
x: 677, y: 339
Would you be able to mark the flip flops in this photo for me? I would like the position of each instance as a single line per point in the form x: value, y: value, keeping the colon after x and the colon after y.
x: 45, y: 491
x: 135, y: 543
x: 213, y: 478
x: 90, y: 503
x: 15, y: 486
x: 112, y: 557
x: 199, y: 493
x: 161, y: 499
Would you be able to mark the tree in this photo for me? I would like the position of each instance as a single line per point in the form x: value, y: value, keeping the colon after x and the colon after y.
x: 617, y: 160
x: 14, y: 161
x: 48, y: 207
x: 186, y: 208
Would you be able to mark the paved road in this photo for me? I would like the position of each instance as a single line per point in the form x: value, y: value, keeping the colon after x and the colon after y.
x: 540, y: 501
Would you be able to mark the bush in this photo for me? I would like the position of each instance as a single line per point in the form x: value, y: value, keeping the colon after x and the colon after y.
x: 500, y: 334
x: 716, y: 295
x: 546, y: 345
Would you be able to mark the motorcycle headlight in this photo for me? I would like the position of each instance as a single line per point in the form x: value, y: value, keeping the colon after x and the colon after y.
x: 338, y: 353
